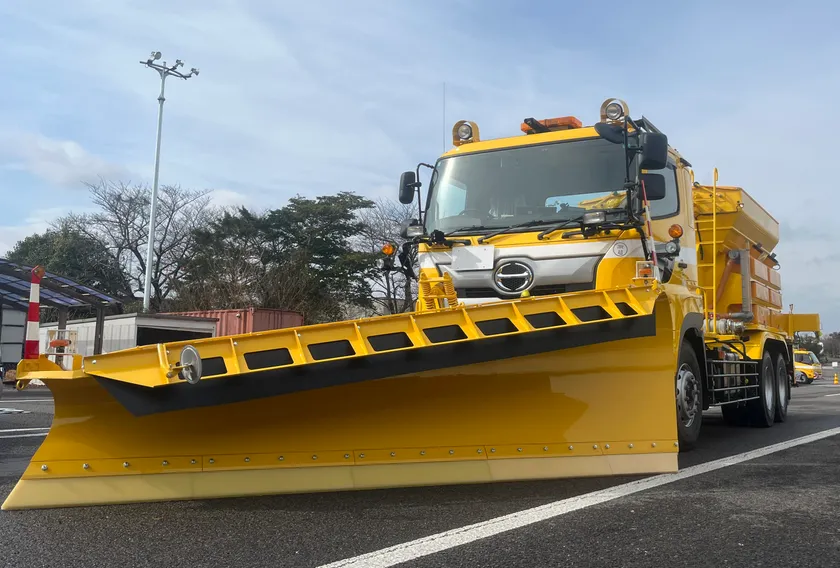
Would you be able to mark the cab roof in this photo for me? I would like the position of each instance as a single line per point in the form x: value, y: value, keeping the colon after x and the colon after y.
x: 531, y: 139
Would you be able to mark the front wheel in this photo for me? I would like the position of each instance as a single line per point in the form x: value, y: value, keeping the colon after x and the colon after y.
x: 689, y: 390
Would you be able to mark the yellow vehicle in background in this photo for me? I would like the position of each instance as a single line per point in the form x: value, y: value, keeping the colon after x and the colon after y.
x: 581, y: 302
x: 807, y: 366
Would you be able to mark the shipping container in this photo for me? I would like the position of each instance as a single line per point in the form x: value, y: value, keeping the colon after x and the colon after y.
x: 248, y: 320
x: 125, y: 331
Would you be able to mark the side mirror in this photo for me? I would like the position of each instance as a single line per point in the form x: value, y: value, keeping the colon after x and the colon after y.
x: 654, y: 186
x: 654, y: 154
x: 408, y: 182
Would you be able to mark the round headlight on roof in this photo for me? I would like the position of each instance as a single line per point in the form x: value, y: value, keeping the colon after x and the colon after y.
x: 614, y: 111
x: 465, y: 131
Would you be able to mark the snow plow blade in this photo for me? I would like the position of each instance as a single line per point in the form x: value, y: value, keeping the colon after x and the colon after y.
x: 579, y: 384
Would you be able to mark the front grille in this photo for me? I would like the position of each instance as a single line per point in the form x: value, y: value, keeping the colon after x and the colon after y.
x: 546, y: 290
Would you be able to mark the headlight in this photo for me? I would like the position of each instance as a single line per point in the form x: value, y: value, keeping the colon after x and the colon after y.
x: 414, y: 231
x: 465, y: 131
x: 594, y: 217
x: 614, y: 111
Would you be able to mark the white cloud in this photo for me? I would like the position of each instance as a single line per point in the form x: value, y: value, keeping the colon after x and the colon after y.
x: 314, y: 98
x: 38, y: 221
x: 228, y: 198
x: 60, y: 162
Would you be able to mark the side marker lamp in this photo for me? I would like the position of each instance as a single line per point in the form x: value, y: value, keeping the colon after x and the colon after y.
x: 644, y: 269
x: 675, y: 231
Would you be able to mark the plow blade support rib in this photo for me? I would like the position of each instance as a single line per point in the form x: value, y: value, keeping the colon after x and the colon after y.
x: 575, y: 398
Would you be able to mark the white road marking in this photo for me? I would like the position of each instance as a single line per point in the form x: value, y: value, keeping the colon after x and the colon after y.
x: 836, y: 394
x: 14, y: 411
x: 456, y: 537
x: 23, y: 436
x: 10, y: 433
x: 15, y: 401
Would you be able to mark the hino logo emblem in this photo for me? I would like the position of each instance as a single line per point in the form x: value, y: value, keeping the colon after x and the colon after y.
x: 513, y: 277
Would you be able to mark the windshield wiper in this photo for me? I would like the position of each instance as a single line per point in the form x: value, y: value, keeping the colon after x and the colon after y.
x: 470, y: 228
x: 513, y: 227
x: 559, y: 226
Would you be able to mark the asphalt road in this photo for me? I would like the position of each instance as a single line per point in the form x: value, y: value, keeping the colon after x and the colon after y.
x: 782, y: 509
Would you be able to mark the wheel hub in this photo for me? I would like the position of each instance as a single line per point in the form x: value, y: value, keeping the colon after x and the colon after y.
x: 688, y: 395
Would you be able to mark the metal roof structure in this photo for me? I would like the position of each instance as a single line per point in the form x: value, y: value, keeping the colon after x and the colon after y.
x: 56, y: 291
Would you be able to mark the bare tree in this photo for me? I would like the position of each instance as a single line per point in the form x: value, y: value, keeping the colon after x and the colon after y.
x: 122, y: 225
x: 393, y: 291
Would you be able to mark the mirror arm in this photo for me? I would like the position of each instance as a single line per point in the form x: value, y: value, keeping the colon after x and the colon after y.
x: 417, y: 185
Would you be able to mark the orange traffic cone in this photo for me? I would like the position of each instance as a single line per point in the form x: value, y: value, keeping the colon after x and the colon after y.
x: 836, y: 382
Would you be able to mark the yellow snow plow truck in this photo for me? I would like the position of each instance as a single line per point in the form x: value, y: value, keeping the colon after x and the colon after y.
x: 581, y: 302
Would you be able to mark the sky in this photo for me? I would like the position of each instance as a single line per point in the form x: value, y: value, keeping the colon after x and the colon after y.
x: 316, y: 97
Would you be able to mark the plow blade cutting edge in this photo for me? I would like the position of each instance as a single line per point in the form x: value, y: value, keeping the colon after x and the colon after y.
x: 563, y: 386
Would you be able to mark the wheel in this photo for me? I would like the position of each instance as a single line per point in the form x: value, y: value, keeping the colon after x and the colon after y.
x: 689, y: 391
x: 782, y: 392
x: 763, y: 409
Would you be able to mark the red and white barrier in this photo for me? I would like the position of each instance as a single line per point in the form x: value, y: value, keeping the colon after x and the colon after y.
x: 31, y: 348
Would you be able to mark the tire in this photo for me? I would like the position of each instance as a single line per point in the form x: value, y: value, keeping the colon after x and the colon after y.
x: 763, y: 409
x: 782, y: 390
x: 688, y: 382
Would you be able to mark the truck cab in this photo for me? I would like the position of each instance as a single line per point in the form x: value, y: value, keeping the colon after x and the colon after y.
x: 547, y: 212
x: 564, y: 210
x: 806, y: 366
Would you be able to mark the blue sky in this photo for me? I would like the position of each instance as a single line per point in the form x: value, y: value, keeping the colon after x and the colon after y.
x: 322, y: 96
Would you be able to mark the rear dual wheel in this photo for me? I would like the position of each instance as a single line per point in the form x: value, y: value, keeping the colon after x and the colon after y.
x: 782, y: 389
x: 772, y: 404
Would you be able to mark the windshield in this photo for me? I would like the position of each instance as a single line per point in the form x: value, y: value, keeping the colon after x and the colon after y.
x: 807, y: 358
x: 551, y: 183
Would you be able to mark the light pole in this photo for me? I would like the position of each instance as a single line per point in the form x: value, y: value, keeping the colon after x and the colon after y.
x: 164, y: 72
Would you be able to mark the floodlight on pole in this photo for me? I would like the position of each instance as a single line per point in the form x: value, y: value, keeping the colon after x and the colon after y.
x: 164, y: 70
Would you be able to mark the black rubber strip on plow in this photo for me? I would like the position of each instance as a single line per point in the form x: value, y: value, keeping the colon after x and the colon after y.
x: 141, y: 401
